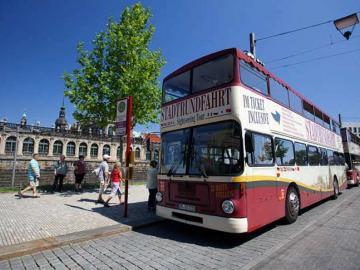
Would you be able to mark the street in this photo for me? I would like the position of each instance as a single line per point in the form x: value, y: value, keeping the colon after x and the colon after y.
x: 324, y: 237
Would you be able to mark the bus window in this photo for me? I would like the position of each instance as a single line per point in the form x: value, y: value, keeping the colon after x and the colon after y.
x: 308, y: 110
x: 284, y: 152
x: 213, y: 73
x: 262, y: 154
x: 336, y: 158
x: 295, y: 103
x: 323, y: 157
x: 300, y: 154
x: 174, y: 148
x: 313, y: 155
x: 176, y: 87
x: 215, y: 149
x: 331, y: 158
x: 318, y: 116
x: 326, y: 121
x: 341, y: 159
x: 253, y: 78
x: 336, y: 127
x: 279, y: 93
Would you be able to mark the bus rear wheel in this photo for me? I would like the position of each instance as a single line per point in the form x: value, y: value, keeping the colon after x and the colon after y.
x: 292, y: 205
x: 336, y: 189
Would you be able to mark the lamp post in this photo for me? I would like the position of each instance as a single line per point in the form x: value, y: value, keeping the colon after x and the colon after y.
x: 346, y: 25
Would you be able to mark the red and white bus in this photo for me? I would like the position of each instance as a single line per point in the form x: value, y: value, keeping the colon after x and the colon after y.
x: 240, y: 148
x: 351, y: 145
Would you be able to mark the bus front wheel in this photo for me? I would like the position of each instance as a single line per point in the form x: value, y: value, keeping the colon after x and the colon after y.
x: 292, y: 205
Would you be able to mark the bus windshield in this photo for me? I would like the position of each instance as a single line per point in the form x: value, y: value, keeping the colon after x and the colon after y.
x: 211, y: 74
x: 212, y: 150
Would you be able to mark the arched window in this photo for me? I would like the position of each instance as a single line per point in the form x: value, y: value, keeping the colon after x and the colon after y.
x: 57, y: 148
x: 94, y: 150
x: 28, y: 147
x: 118, y: 152
x: 137, y: 153
x: 10, y: 145
x: 44, y: 147
x: 70, y: 149
x: 156, y: 155
x: 148, y: 155
x: 106, y: 149
x: 83, y: 149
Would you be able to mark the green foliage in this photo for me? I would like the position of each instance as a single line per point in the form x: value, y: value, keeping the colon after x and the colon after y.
x: 120, y: 64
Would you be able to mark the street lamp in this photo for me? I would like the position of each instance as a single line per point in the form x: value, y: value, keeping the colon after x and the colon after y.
x: 343, y: 25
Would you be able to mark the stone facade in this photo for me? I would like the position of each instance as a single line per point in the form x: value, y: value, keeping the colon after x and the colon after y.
x: 21, y: 141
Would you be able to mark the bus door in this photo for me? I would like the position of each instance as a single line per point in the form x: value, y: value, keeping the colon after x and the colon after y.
x: 261, y: 176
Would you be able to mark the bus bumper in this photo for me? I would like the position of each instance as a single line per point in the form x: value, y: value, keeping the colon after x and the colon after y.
x: 224, y: 224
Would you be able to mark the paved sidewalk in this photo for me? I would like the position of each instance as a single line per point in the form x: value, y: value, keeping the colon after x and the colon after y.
x: 67, y: 214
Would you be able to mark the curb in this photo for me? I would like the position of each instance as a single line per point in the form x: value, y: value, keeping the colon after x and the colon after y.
x: 34, y: 246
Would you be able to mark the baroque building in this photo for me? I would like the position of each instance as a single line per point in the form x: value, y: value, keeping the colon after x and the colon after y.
x: 22, y: 140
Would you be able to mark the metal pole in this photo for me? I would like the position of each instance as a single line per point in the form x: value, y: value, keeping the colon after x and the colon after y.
x: 252, y: 44
x: 340, y: 122
x: 15, y: 156
x: 128, y: 143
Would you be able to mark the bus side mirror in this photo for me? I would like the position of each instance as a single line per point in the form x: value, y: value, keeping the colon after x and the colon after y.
x: 248, y: 143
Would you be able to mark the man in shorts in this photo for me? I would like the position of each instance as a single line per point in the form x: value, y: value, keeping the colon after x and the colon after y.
x: 103, y: 177
x: 33, y: 176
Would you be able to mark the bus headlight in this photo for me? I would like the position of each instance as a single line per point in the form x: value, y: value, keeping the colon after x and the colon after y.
x: 159, y: 196
x: 228, y: 207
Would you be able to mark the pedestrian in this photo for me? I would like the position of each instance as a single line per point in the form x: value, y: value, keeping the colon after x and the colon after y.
x: 79, y: 171
x: 152, y: 184
x: 60, y: 172
x: 103, y: 177
x: 33, y: 176
x: 116, y: 179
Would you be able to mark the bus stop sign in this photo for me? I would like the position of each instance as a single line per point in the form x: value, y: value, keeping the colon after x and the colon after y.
x: 121, y: 117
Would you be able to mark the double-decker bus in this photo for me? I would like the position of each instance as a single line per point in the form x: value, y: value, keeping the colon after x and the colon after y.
x: 240, y: 148
x: 351, y: 145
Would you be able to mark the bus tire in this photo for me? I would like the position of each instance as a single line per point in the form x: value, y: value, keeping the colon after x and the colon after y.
x: 292, y: 205
x: 336, y: 189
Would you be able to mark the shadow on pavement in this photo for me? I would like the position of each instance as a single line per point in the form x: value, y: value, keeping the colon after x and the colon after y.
x: 185, y: 233
x: 138, y: 215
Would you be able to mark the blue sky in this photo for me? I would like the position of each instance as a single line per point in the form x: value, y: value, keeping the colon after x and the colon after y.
x: 39, y: 38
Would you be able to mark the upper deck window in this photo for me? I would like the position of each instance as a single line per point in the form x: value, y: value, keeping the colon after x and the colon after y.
x: 213, y: 73
x: 253, y: 78
x: 295, y: 102
x: 279, y: 93
x: 308, y: 110
x: 176, y: 87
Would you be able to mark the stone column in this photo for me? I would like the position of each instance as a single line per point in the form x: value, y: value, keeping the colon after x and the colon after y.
x: 20, y: 141
x: 88, y: 150
x: 77, y: 145
x: 113, y: 149
x: 64, y: 147
x: 2, y: 145
x: 36, y: 144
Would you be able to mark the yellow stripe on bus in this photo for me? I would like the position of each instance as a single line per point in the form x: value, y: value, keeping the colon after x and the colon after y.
x: 258, y: 178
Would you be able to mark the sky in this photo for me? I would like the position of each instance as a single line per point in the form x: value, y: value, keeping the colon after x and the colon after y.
x: 39, y: 38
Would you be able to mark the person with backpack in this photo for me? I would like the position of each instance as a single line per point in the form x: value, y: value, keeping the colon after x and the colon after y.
x: 103, y: 177
x: 33, y: 176
x: 79, y: 172
x: 60, y: 172
x: 116, y: 178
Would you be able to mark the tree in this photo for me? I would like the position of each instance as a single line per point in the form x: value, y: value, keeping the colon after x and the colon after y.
x: 120, y: 64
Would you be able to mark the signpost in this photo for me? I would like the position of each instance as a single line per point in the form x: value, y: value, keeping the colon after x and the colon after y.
x: 123, y: 125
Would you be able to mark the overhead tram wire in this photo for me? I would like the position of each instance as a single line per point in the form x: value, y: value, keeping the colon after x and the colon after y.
x: 295, y: 30
x: 298, y: 29
x: 316, y: 59
x: 309, y: 50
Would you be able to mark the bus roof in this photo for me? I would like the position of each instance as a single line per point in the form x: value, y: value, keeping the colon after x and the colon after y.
x: 240, y: 54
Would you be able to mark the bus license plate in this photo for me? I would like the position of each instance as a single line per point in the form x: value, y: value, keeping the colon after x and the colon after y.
x: 186, y: 207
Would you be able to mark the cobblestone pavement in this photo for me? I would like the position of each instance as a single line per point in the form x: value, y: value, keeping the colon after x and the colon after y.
x: 57, y: 214
x: 324, y: 237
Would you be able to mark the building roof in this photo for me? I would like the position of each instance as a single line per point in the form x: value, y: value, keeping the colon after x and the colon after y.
x: 153, y: 138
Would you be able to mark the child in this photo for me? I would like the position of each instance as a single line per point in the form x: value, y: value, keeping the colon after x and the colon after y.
x: 116, y: 177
